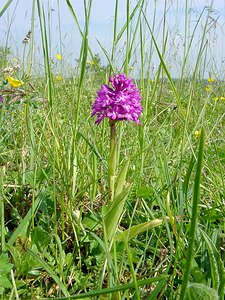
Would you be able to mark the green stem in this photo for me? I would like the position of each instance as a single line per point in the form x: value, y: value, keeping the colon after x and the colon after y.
x: 112, y: 159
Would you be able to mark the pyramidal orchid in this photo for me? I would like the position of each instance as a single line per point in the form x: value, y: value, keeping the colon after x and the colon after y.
x: 121, y: 101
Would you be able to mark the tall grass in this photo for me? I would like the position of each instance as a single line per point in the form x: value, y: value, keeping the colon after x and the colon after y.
x: 168, y: 240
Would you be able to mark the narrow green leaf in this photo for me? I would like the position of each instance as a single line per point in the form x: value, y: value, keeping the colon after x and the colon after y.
x: 122, y: 287
x: 2, y: 212
x: 194, y: 216
x: 107, y: 56
x: 50, y: 272
x: 83, y: 35
x: 165, y: 68
x: 188, y: 175
x: 217, y: 266
x: 157, y: 290
x: 140, y: 228
x: 93, y: 148
x: 125, y: 25
x: 74, y: 16
x: 121, y: 178
x: 5, y: 7
x: 113, y: 213
x: 22, y: 228
x: 213, y: 263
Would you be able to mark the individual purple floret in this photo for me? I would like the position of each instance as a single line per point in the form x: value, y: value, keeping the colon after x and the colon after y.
x: 121, y: 102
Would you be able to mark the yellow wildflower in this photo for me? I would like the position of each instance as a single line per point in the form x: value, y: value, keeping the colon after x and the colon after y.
x: 210, y: 80
x: 14, y: 82
x: 208, y: 89
x: 58, y: 78
x: 215, y: 98
x: 197, y: 133
x: 222, y: 98
x: 90, y: 62
x: 59, y: 56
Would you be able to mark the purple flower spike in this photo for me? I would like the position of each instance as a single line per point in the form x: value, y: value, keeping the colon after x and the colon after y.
x: 121, y: 102
x: 1, y: 99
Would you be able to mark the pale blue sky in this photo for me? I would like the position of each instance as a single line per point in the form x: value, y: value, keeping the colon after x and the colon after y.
x: 15, y: 24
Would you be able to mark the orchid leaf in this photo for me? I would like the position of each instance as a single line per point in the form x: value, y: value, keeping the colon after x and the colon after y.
x: 121, y: 178
x: 113, y: 213
x: 140, y: 228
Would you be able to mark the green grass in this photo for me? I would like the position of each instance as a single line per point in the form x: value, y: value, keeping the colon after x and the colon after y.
x: 162, y: 235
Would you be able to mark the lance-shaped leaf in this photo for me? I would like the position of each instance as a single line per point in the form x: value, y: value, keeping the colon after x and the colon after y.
x: 121, y: 179
x: 140, y: 228
x: 113, y: 212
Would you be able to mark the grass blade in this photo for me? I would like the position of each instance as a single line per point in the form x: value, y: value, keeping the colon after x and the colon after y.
x: 21, y: 229
x: 115, y: 289
x: 165, y: 68
x: 50, y: 272
x: 2, y: 209
x: 5, y: 7
x: 217, y: 266
x: 194, y: 216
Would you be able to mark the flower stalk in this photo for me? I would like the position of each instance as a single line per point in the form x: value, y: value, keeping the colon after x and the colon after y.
x: 112, y: 159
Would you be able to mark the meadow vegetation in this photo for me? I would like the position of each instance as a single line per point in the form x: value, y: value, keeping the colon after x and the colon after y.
x: 162, y: 235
